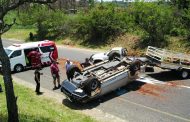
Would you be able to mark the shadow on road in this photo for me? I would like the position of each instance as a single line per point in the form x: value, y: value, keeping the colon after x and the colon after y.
x: 133, y: 86
x: 28, y: 69
x: 166, y: 76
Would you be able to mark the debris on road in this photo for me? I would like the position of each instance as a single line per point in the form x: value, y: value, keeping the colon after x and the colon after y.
x: 153, y: 90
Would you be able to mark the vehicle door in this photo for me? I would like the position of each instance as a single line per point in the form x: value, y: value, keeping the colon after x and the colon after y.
x: 45, y: 51
x: 16, y: 58
x: 28, y: 59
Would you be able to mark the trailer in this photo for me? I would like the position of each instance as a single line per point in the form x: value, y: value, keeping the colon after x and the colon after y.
x: 171, y: 60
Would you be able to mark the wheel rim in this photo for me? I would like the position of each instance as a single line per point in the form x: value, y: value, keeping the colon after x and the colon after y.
x: 94, y: 85
x: 18, y: 68
x: 184, y: 74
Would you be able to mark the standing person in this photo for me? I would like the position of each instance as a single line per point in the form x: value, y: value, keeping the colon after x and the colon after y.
x: 68, y: 63
x: 37, y: 79
x: 55, y: 74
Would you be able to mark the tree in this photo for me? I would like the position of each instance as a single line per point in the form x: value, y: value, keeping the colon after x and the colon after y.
x: 5, y: 7
x: 181, y: 4
x: 155, y: 20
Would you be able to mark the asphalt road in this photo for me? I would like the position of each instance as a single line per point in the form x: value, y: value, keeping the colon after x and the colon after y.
x: 161, y: 97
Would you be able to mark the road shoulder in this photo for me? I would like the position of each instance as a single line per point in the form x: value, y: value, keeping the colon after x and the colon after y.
x: 93, y: 112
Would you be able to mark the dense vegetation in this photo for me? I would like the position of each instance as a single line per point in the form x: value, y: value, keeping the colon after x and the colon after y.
x: 101, y: 23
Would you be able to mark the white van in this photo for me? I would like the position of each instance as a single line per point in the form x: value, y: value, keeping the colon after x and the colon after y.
x: 17, y: 54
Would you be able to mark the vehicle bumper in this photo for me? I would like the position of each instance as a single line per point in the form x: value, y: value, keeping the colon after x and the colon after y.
x: 69, y: 89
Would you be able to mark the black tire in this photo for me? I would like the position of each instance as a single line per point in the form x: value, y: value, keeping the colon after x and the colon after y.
x: 72, y: 69
x: 184, y: 74
x: 113, y: 55
x: 18, y: 68
x: 91, y: 85
x: 97, y: 61
x: 134, y: 66
x: 149, y: 69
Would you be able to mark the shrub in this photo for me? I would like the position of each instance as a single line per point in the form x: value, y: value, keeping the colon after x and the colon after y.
x: 155, y: 19
x: 101, y: 23
x: 49, y: 23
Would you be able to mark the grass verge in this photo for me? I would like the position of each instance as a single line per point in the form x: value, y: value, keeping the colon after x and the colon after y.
x: 19, y: 34
x: 33, y: 108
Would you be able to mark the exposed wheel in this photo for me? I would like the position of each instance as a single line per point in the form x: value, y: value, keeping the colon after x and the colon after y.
x: 113, y: 55
x: 18, y: 68
x: 184, y: 74
x: 91, y: 85
x: 149, y: 69
x: 94, y: 85
x: 134, y: 66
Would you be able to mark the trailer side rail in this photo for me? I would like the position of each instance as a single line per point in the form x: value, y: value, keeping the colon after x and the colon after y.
x: 168, y: 57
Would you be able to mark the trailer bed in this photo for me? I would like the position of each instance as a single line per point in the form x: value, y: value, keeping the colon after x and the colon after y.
x: 167, y: 59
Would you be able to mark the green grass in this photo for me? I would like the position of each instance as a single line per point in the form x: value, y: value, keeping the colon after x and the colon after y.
x: 19, y: 34
x: 33, y: 108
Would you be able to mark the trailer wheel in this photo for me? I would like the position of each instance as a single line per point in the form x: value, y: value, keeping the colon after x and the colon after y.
x: 91, y: 85
x: 18, y: 68
x: 184, y: 74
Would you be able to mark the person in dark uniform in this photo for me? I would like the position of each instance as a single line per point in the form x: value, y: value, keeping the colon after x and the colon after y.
x: 37, y: 79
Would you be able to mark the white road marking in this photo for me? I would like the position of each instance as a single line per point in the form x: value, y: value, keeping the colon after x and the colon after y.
x: 150, y: 80
x: 188, y: 87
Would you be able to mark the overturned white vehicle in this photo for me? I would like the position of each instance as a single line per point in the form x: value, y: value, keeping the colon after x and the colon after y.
x: 119, y: 52
x: 99, y: 79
